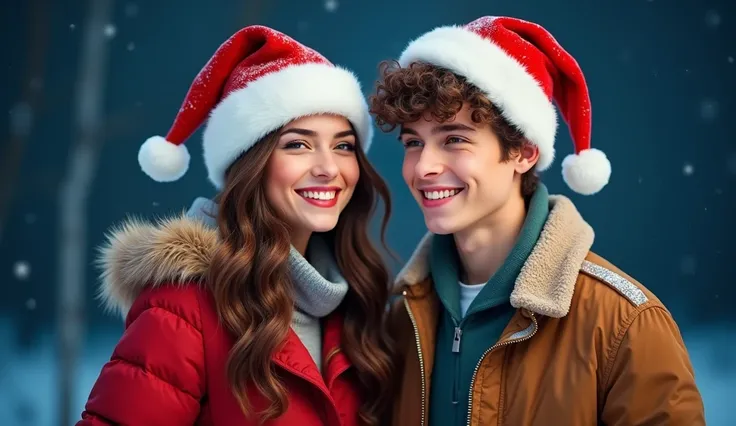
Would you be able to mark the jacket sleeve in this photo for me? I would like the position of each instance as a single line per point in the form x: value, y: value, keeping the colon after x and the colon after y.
x: 650, y: 377
x: 156, y: 373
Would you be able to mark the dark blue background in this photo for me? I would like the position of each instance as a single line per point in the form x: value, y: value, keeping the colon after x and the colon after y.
x: 661, y: 78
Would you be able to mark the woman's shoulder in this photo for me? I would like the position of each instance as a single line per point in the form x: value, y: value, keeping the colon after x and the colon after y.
x: 159, y: 264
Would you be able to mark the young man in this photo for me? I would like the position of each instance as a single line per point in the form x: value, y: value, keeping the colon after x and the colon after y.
x: 507, y: 317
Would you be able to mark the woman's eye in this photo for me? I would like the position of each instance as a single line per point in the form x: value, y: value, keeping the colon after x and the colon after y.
x: 346, y: 146
x: 295, y: 145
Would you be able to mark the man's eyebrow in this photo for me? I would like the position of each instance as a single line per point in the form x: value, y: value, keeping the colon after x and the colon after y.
x: 443, y: 128
x: 407, y: 131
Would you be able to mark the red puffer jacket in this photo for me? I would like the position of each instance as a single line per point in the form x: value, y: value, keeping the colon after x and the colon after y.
x: 169, y: 368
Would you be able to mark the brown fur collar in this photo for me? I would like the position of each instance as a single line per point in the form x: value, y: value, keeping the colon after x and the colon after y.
x: 547, y: 279
x: 137, y: 255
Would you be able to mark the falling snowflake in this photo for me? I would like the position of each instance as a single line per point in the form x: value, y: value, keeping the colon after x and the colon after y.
x: 131, y: 10
x: 72, y: 27
x: 331, y: 5
x: 688, y: 265
x: 131, y: 46
x: 712, y: 19
x: 730, y: 59
x: 302, y: 26
x: 21, y: 270
x: 155, y: 204
x: 732, y: 164
x: 30, y: 218
x: 31, y: 304
x: 110, y: 30
x: 719, y: 191
x: 709, y: 109
x: 641, y: 179
x: 688, y: 169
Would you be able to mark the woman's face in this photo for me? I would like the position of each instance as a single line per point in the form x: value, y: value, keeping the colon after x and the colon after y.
x: 312, y: 173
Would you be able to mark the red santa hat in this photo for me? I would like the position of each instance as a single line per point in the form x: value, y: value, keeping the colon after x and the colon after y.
x: 522, y: 69
x: 256, y: 82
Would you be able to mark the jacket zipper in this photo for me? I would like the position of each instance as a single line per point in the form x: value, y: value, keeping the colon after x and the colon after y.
x: 421, y: 358
x: 457, y: 336
x: 455, y: 381
x: 526, y: 336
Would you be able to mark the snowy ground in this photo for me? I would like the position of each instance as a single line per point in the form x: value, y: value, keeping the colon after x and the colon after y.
x: 27, y: 386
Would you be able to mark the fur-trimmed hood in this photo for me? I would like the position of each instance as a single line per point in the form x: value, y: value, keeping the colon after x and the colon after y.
x: 546, y: 282
x: 139, y: 254
x: 179, y: 250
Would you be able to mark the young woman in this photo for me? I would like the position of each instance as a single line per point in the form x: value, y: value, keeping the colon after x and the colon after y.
x: 270, y: 310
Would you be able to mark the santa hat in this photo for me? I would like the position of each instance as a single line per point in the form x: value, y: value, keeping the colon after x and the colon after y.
x: 522, y: 69
x: 256, y: 82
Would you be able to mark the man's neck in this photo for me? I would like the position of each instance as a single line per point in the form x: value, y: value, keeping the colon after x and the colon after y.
x: 484, y: 246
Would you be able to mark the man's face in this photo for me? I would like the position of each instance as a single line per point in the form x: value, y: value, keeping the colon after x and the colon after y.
x: 455, y: 172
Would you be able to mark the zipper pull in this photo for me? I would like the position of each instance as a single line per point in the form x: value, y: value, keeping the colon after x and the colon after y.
x: 456, y: 340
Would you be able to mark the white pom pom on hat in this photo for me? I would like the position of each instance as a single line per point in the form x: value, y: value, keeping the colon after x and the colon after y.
x: 586, y: 172
x: 162, y: 160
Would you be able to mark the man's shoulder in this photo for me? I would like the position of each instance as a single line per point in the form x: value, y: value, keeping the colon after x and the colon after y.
x: 609, y: 302
x: 607, y: 284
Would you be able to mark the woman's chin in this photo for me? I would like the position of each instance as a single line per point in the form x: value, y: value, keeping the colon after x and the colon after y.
x: 324, y: 227
x: 323, y: 223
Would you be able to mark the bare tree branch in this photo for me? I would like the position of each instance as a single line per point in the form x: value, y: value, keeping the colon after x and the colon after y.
x: 75, y: 188
x: 24, y: 111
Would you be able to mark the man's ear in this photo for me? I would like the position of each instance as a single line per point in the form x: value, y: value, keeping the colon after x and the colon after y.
x: 527, y: 158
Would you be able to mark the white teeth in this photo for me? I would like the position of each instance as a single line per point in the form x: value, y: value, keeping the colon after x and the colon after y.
x: 437, y: 195
x: 325, y: 195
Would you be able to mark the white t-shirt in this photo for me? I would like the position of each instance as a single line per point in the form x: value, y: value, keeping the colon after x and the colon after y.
x: 468, y: 293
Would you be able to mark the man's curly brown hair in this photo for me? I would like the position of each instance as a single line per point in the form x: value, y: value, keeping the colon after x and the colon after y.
x: 404, y: 95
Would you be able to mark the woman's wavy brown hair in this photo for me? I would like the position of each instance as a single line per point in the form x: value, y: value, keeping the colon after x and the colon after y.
x: 404, y: 95
x: 249, y: 277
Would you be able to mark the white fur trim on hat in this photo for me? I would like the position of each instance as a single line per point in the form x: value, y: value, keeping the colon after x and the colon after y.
x: 162, y: 160
x: 587, y: 172
x: 247, y: 115
x: 501, y: 77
